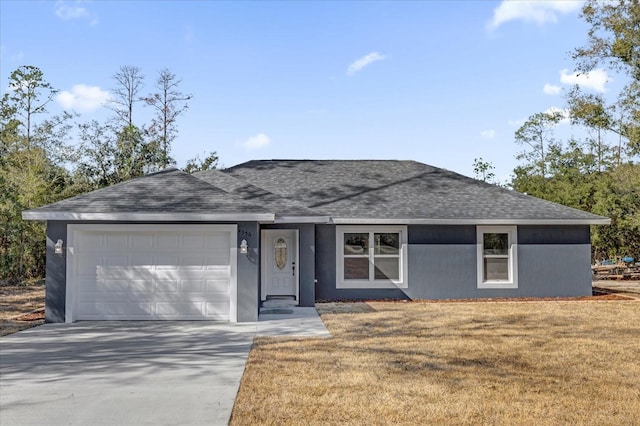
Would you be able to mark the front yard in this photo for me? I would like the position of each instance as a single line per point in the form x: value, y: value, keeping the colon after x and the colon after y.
x: 541, y: 362
x: 16, y: 302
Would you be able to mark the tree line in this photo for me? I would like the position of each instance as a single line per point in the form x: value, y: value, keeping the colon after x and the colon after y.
x: 45, y: 158
x: 599, y: 172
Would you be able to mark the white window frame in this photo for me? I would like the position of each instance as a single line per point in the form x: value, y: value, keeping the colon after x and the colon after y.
x: 512, y: 232
x: 403, y: 277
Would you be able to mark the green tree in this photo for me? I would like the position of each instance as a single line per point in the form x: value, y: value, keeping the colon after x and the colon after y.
x: 592, y: 112
x: 537, y: 133
x: 483, y: 170
x: 96, y: 156
x: 614, y: 43
x: 133, y: 157
x: 197, y: 164
x: 29, y: 177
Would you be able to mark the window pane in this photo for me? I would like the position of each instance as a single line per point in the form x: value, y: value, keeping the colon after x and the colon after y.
x: 496, y: 269
x: 280, y: 253
x: 387, y: 243
x: 356, y: 268
x: 387, y: 268
x: 356, y: 244
x: 495, y: 243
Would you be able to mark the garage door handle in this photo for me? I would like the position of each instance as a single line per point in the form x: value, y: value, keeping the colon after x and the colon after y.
x: 293, y: 268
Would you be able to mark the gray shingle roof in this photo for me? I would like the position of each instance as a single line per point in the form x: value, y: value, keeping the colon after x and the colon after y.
x: 396, y: 189
x: 338, y: 189
x: 166, y: 191
x: 252, y: 193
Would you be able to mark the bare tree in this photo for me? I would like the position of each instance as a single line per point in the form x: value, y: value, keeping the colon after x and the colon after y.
x: 129, y: 82
x: 169, y: 103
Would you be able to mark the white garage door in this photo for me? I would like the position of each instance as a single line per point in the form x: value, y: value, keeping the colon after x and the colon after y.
x: 152, y: 272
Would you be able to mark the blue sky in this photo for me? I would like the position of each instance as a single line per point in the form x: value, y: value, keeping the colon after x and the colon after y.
x: 438, y: 82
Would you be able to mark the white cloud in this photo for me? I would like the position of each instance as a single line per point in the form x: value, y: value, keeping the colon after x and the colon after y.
x: 488, y: 134
x: 68, y: 11
x: 564, y: 112
x: 594, y: 80
x: 516, y: 123
x: 550, y: 89
x: 358, y: 64
x: 536, y: 11
x: 83, y: 98
x: 256, y: 142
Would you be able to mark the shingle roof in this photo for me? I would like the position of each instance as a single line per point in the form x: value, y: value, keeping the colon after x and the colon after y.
x: 168, y: 191
x: 252, y: 193
x: 347, y: 190
x: 396, y: 189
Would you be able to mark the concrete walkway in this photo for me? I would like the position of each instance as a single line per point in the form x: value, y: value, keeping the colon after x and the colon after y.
x: 133, y: 373
x: 303, y: 322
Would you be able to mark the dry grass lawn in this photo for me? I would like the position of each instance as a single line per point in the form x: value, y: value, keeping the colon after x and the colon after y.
x: 525, y: 363
x: 20, y: 299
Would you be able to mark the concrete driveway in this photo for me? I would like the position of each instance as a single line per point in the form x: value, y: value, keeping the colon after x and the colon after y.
x: 133, y: 373
x: 122, y: 373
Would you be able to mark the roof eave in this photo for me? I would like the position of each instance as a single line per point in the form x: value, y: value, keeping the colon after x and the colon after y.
x: 149, y: 216
x: 470, y: 221
x: 303, y: 219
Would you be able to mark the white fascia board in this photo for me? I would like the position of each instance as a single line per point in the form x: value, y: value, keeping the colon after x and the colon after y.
x: 369, y: 221
x: 303, y: 219
x: 154, y: 217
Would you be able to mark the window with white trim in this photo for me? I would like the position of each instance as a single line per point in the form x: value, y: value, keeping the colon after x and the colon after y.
x: 371, y: 257
x: 497, y: 251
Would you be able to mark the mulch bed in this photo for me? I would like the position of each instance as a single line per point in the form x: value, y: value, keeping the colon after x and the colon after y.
x: 36, y: 315
x: 597, y: 295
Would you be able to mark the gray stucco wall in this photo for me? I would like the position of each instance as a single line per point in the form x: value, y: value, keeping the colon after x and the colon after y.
x: 307, y: 260
x: 553, y: 261
x: 248, y: 279
x: 442, y: 262
x: 247, y: 272
x: 56, y: 274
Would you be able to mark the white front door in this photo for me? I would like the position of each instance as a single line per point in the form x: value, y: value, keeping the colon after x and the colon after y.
x: 279, y: 263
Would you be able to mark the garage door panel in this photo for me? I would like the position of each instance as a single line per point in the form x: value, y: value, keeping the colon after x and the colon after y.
x: 104, y: 310
x: 190, y: 242
x: 192, y: 263
x: 88, y: 264
x: 89, y: 240
x: 153, y: 274
x: 183, y: 309
x: 167, y: 241
x: 141, y: 259
x: 217, y: 240
x: 191, y: 286
x: 143, y: 241
x: 166, y: 262
x: 115, y: 260
x: 166, y: 286
x: 217, y: 286
x: 217, y: 310
x: 116, y: 240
